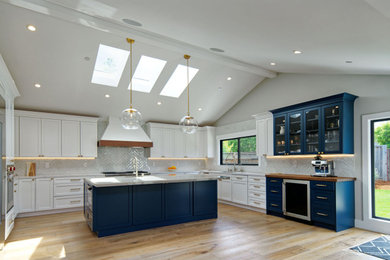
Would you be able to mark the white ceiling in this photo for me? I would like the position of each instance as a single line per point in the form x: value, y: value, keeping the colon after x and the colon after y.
x: 54, y: 57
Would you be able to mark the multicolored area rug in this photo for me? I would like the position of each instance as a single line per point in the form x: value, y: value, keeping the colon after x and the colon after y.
x: 379, y: 247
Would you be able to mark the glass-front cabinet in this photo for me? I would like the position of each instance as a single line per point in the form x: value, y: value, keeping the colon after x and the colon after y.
x: 323, y: 126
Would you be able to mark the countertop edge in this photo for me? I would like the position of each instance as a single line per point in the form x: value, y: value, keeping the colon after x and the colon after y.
x: 309, y: 177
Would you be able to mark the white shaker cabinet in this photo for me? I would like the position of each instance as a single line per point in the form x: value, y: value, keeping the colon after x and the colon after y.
x: 43, y: 194
x: 179, y: 143
x: 225, y: 188
x: 30, y: 136
x: 88, y: 139
x: 26, y: 195
x: 240, y: 189
x: 51, y: 137
x: 264, y: 135
x: 70, y: 138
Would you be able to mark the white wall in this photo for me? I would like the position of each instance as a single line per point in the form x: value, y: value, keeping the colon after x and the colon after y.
x: 289, y: 89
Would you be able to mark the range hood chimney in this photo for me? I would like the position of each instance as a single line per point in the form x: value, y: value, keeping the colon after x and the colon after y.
x: 116, y: 135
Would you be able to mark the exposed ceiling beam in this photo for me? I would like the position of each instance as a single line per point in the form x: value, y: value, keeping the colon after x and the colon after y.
x: 111, y: 26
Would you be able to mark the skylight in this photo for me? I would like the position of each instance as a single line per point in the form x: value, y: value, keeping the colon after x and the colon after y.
x: 109, y: 65
x: 177, y: 83
x: 146, y: 74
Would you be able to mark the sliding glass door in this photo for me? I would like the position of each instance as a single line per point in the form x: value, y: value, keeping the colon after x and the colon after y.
x: 380, y: 168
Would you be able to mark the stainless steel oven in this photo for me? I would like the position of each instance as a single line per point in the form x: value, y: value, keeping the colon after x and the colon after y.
x: 296, y: 199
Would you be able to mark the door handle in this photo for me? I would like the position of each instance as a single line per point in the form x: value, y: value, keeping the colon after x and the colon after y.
x: 322, y: 214
x: 321, y: 198
x: 274, y: 181
x: 274, y: 205
x: 274, y: 191
x: 321, y: 185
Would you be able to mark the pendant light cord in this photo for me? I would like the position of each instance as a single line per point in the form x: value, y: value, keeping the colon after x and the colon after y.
x: 131, y: 41
x: 188, y: 88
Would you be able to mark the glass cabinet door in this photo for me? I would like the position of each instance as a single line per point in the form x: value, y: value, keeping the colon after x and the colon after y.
x: 295, y: 132
x: 332, y: 128
x: 280, y: 135
x: 312, y: 131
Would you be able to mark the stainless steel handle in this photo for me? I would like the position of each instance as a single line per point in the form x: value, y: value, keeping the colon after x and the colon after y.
x: 321, y: 198
x: 322, y: 214
x: 274, y: 205
x: 274, y: 191
x: 321, y: 185
x: 75, y: 201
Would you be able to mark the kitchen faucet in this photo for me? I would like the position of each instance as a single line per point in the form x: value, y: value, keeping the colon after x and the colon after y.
x: 135, y: 159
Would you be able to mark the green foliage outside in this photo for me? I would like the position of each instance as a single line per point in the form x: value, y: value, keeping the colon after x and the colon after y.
x: 382, y: 134
x: 382, y: 203
x: 247, y: 144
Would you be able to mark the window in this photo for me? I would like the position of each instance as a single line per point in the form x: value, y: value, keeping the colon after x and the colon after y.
x: 239, y: 151
x: 380, y: 171
x: 177, y: 83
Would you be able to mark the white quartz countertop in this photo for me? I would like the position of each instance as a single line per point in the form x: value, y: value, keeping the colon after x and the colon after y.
x: 149, y: 179
x: 63, y: 175
x: 235, y: 173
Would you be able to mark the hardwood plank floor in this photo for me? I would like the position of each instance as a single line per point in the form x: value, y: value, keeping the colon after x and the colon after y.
x: 236, y: 234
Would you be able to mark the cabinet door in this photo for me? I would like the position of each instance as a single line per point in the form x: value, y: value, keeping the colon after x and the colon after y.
x: 205, y: 198
x: 44, y: 194
x: 200, y: 144
x: 312, y: 131
x: 295, y: 140
x: 147, y: 204
x: 190, y: 145
x: 179, y: 143
x: 240, y: 192
x: 88, y: 139
x: 156, y: 134
x: 261, y: 137
x: 16, y: 136
x: 30, y: 136
x: 168, y: 142
x: 70, y: 138
x: 178, y: 200
x: 26, y: 195
x: 225, y: 190
x: 280, y: 135
x: 332, y: 128
x: 51, y: 137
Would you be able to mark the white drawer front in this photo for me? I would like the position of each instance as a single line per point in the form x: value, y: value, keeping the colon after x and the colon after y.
x: 240, y: 178
x: 68, y: 202
x: 257, y: 187
x: 257, y: 195
x: 257, y: 203
x: 62, y: 190
x: 255, y: 179
x: 75, y: 180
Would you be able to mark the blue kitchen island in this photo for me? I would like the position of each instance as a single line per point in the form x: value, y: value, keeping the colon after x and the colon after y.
x: 115, y: 205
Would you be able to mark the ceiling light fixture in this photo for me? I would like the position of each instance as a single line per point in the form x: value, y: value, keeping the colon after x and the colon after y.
x: 107, y: 96
x: 31, y: 28
x: 297, y: 52
x: 216, y: 50
x: 131, y: 22
x: 229, y: 78
x: 188, y: 123
x: 200, y: 109
x: 272, y: 64
x: 131, y: 118
x: 159, y: 103
x: 37, y: 85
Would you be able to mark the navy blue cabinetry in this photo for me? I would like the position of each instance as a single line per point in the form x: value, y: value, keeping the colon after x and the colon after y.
x: 205, y: 198
x: 147, y: 204
x: 274, y: 196
x: 320, y: 126
x: 178, y: 200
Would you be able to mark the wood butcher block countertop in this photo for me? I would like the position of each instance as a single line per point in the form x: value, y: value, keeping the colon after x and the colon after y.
x: 308, y: 177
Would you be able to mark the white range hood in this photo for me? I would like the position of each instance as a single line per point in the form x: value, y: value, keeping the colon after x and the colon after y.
x: 116, y: 135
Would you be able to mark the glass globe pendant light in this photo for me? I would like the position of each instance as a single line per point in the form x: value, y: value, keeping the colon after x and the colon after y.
x: 131, y: 118
x: 188, y: 123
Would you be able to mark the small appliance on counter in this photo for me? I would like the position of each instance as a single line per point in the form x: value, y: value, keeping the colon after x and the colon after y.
x: 322, y: 167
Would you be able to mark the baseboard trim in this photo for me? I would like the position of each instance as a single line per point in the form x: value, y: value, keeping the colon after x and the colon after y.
x: 380, y: 226
x: 47, y: 212
x: 242, y: 206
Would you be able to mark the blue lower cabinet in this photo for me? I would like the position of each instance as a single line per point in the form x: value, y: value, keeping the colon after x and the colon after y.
x: 205, y: 198
x: 147, y: 204
x: 274, y: 196
x: 178, y: 200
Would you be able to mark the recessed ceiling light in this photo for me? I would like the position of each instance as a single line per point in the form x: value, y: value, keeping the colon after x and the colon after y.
x: 131, y: 22
x: 348, y: 61
x: 107, y: 96
x: 31, y: 28
x: 229, y: 78
x: 200, y: 109
x: 37, y: 85
x: 216, y: 50
x: 272, y: 63
x: 297, y: 52
x: 159, y: 103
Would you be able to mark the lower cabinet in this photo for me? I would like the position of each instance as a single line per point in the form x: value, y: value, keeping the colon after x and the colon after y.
x: 114, y: 210
x: 225, y: 188
x: 240, y: 190
x: 25, y: 195
x: 44, y: 194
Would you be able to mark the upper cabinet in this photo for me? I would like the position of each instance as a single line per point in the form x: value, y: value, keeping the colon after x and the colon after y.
x: 265, y: 133
x: 322, y: 126
x: 170, y: 142
x: 54, y: 135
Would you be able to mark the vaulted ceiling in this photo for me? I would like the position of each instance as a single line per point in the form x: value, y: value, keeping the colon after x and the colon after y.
x: 252, y: 33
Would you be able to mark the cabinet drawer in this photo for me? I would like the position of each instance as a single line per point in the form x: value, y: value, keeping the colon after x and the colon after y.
x: 322, y: 199
x: 257, y: 203
x: 274, y: 192
x: 274, y: 205
x: 70, y: 181
x: 62, y: 190
x: 323, y: 215
x: 257, y: 195
x: 68, y: 202
x: 274, y: 181
x: 257, y: 187
x: 254, y: 179
x: 322, y: 185
x: 240, y: 178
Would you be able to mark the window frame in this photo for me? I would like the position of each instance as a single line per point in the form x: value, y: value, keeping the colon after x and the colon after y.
x: 238, y: 151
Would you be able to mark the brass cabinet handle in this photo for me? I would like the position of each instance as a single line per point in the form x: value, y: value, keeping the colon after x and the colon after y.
x: 75, y: 201
x: 257, y: 194
x: 75, y: 179
x: 274, y: 191
x: 322, y: 214
x: 274, y: 205
x: 239, y: 178
x: 74, y: 189
x: 255, y: 202
x: 274, y: 181
x: 255, y: 186
x: 321, y: 185
x: 321, y: 198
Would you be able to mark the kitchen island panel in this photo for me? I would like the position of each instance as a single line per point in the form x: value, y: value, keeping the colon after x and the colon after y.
x: 178, y: 200
x: 147, y: 204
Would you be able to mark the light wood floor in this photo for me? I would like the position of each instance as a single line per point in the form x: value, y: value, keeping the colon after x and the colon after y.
x: 236, y: 234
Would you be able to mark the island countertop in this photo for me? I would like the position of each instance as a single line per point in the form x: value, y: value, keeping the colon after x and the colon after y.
x: 149, y: 179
